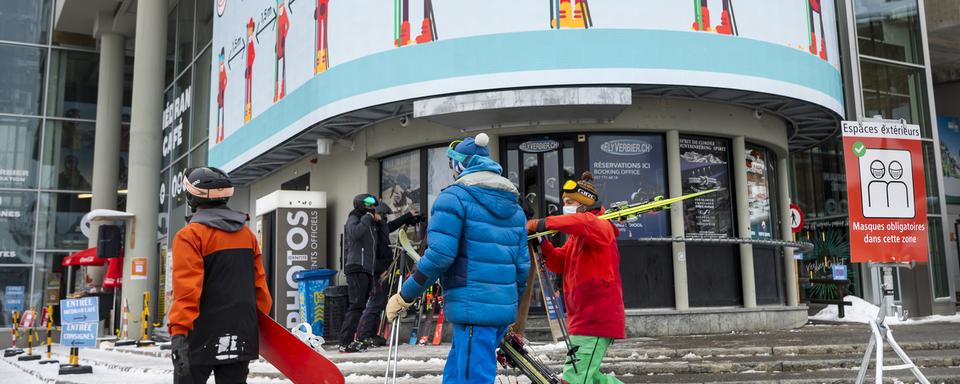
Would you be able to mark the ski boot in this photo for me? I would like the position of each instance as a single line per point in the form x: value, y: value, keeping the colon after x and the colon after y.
x: 726, y: 26
x: 304, y: 332
x: 823, y: 49
x: 704, y: 23
x: 404, y: 35
x: 374, y: 342
x: 321, y: 62
x: 426, y: 33
x: 355, y: 346
x: 813, y: 43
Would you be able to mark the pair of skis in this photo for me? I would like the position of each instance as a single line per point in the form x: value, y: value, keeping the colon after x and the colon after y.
x: 432, y: 299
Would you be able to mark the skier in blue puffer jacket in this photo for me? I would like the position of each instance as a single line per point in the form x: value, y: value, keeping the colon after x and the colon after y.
x: 477, y: 246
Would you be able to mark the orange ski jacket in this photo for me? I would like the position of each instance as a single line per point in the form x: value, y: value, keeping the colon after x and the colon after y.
x: 218, y: 285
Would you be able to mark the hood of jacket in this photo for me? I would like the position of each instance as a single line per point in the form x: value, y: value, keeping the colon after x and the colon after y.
x: 494, y: 192
x: 482, y: 164
x: 222, y: 218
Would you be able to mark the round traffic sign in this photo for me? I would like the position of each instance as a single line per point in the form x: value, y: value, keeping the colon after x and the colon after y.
x: 796, y: 218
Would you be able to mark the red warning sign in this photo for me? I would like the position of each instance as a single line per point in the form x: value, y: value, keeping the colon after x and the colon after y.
x: 885, y: 191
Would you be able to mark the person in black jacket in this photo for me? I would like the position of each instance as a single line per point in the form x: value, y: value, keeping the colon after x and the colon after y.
x: 366, y: 245
x: 370, y: 320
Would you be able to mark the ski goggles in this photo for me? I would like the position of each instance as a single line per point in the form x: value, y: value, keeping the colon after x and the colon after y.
x: 572, y: 187
x: 456, y: 156
x: 370, y: 201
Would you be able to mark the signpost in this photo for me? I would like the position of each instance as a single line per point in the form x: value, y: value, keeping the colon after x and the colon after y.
x: 888, y: 216
x: 80, y: 320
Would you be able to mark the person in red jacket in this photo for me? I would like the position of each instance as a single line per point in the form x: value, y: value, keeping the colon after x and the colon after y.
x: 590, y: 264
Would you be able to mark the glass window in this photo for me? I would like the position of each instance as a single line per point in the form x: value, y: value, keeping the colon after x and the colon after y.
x: 630, y: 168
x: 26, y: 21
x: 49, y: 279
x: 889, y: 29
x: 127, y: 89
x: 59, y: 221
x: 22, y: 83
x: 72, y: 90
x: 204, y: 23
x: 513, y: 167
x: 198, y: 158
x: 938, y: 258
x: 821, y: 181
x: 400, y: 182
x: 439, y: 174
x: 930, y: 174
x: 184, y: 34
x: 67, y: 156
x: 705, y: 165
x: 16, y: 226
x: 894, y: 92
x: 14, y: 287
x: 201, y: 115
x: 759, y: 199
x: 19, y: 152
x: 171, y: 46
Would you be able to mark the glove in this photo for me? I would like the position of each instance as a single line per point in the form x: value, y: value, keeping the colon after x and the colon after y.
x: 396, y: 306
x: 180, y: 351
x: 532, y: 226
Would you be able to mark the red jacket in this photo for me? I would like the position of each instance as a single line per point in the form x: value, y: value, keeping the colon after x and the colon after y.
x: 590, y: 264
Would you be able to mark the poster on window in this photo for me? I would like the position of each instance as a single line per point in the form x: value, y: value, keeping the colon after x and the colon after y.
x: 758, y: 194
x: 949, y: 128
x: 631, y: 169
x: 16, y: 227
x: 704, y: 165
x: 400, y: 183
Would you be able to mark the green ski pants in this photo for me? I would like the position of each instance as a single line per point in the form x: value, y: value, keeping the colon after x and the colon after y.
x: 586, y: 369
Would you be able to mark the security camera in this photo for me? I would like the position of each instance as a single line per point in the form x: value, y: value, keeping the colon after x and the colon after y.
x: 404, y: 121
x: 758, y: 113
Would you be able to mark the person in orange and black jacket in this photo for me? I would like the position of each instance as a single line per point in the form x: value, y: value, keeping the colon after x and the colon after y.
x: 590, y: 264
x: 218, y: 286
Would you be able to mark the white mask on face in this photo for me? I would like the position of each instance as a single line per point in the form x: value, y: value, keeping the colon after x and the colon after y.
x: 570, y: 209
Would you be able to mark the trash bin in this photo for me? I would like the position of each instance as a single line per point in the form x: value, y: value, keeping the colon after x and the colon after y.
x: 310, y: 286
x: 336, y: 309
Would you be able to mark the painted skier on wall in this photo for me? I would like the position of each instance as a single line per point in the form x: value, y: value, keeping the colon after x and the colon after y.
x: 280, y: 65
x: 322, y: 60
x: 248, y: 74
x: 221, y: 89
x: 814, y: 8
x: 728, y: 20
x: 570, y: 14
x: 401, y: 33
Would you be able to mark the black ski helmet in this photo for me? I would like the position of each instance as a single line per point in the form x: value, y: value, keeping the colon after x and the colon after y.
x: 206, y: 186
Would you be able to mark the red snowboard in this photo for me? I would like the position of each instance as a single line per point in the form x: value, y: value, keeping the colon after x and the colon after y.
x: 294, y: 358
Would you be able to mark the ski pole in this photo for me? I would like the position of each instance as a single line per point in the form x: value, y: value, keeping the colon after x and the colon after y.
x: 393, y: 347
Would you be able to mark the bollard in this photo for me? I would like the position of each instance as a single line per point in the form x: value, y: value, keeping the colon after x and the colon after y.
x: 145, y: 322
x: 14, y: 335
x: 49, y: 319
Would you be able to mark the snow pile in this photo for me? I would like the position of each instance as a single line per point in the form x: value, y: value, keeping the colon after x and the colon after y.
x: 865, y: 312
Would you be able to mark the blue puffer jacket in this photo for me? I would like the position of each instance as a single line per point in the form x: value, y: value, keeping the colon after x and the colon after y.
x: 477, y: 246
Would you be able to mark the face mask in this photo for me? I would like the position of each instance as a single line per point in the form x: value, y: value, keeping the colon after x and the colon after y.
x: 570, y: 209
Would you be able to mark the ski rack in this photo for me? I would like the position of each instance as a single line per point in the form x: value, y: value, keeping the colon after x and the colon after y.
x: 882, y: 333
x: 801, y: 245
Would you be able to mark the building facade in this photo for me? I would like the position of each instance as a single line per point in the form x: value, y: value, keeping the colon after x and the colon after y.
x: 653, y: 102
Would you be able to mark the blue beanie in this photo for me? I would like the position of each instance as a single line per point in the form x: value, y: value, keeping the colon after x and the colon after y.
x: 465, y: 151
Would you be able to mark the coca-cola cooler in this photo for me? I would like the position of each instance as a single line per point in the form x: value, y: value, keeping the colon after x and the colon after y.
x: 291, y: 227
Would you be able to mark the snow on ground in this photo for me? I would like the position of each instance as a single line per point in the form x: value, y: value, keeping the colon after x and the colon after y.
x: 865, y: 312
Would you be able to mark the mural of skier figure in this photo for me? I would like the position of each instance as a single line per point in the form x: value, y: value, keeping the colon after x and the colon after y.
x: 280, y: 65
x: 570, y: 14
x: 701, y: 14
x: 401, y: 33
x: 322, y: 60
x: 814, y: 11
x: 221, y: 90
x: 248, y: 74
